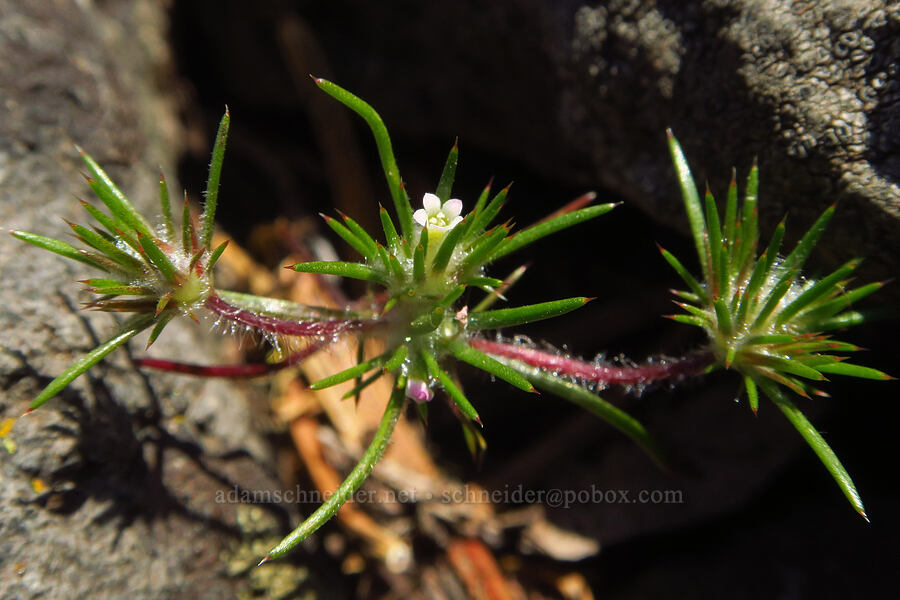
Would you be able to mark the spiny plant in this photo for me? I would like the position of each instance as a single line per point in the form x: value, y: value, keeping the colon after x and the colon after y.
x: 763, y: 319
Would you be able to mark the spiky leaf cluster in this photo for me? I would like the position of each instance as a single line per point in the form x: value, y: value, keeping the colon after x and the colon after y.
x: 427, y: 266
x: 151, y: 274
x: 765, y: 319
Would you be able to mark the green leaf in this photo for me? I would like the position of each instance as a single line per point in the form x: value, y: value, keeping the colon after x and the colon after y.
x: 841, y: 321
x: 390, y: 232
x: 396, y: 267
x: 108, y: 248
x: 689, y: 279
x: 445, y: 185
x: 113, y: 198
x: 419, y: 262
x: 484, y: 217
x: 730, y: 225
x: 817, y: 443
x: 343, y: 269
x: 750, y: 217
x: 491, y: 282
x: 396, y: 360
x: 771, y: 253
x: 482, y: 199
x: 814, y: 292
x: 456, y: 394
x: 216, y: 254
x: 510, y: 280
x: 362, y: 234
x: 351, y: 373
x: 536, y: 232
x: 158, y: 258
x: 207, y: 221
x: 749, y: 297
x: 385, y: 152
x: 692, y: 204
x: 752, y: 393
x: 833, y: 306
x: 842, y: 368
x: 723, y: 316
x: 714, y: 242
x: 445, y: 251
x: 447, y: 301
x: 800, y: 253
x: 774, y: 297
x: 508, y: 317
x: 187, y: 228
x: 57, y: 247
x: 355, y: 479
x: 158, y: 328
x: 110, y: 225
x: 479, y: 360
x: 687, y: 320
x: 86, y: 362
x: 349, y: 237
x: 593, y: 403
x: 482, y: 252
x: 166, y: 206
x: 787, y: 365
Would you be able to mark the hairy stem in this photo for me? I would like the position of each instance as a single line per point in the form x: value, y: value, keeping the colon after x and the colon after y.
x: 693, y: 364
x: 231, y: 371
x: 281, y: 326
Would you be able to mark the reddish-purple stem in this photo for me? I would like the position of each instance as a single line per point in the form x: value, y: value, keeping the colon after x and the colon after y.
x: 281, y: 326
x: 232, y: 371
x: 693, y: 364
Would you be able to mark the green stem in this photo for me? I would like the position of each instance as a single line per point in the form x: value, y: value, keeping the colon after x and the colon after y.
x: 355, y: 479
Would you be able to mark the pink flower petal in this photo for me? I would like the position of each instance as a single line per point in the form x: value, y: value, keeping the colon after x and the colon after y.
x: 432, y: 204
x: 418, y: 390
x: 452, y: 208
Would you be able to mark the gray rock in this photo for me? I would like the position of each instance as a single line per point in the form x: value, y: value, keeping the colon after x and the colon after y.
x: 107, y: 488
x: 584, y: 93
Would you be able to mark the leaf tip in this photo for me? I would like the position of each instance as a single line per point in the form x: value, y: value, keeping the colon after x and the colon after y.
x: 265, y: 559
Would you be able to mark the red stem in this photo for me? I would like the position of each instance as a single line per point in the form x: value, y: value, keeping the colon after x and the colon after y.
x: 693, y: 364
x: 281, y: 326
x: 233, y: 371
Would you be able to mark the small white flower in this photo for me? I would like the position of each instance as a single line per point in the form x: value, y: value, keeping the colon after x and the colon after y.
x: 418, y: 390
x: 436, y: 218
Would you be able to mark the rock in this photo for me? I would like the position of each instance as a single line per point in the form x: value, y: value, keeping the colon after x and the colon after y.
x: 584, y: 93
x: 108, y: 487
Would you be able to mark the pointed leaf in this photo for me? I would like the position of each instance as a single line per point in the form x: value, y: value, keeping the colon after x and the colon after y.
x: 343, y: 269
x: 113, y: 198
x: 843, y: 368
x: 207, y: 221
x: 818, y: 444
x: 355, y: 479
x: 57, y: 247
x: 593, y: 403
x: 508, y: 317
x: 86, y: 362
x: 536, y: 232
x: 385, y: 152
x: 692, y: 204
x: 445, y: 185
x: 445, y: 251
x: 479, y: 360
x: 165, y: 204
